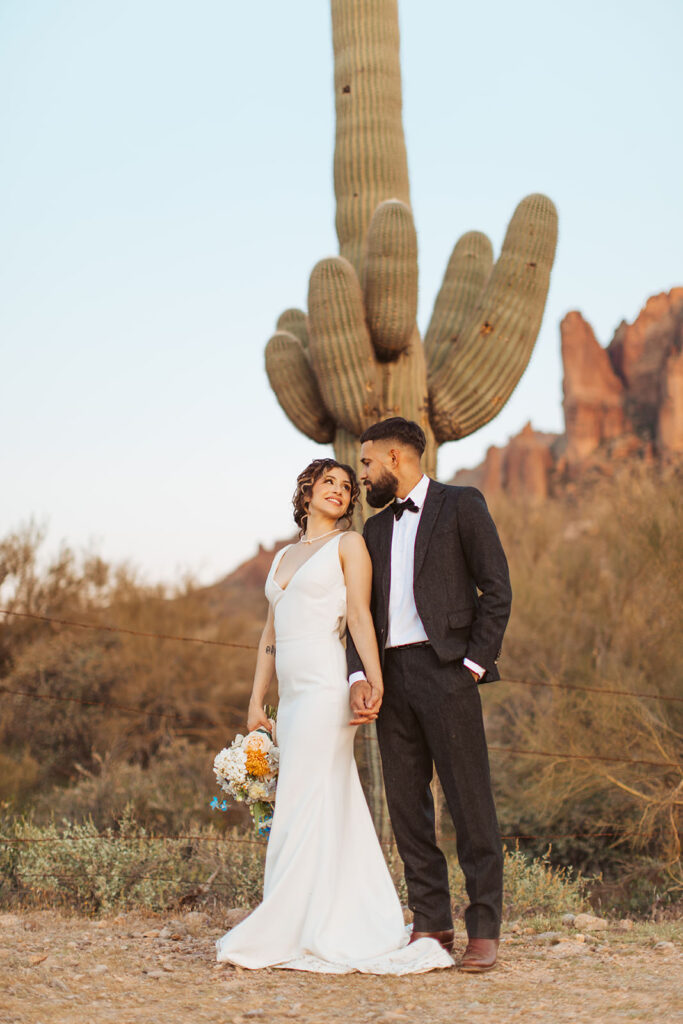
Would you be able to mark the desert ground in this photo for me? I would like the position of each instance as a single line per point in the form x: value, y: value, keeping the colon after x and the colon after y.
x: 60, y: 969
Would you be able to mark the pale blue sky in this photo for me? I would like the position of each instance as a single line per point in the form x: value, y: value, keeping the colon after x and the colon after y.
x: 166, y: 188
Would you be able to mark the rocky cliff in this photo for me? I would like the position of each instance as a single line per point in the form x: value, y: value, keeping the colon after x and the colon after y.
x: 621, y: 402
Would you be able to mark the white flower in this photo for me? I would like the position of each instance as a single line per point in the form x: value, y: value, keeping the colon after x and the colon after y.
x: 258, y: 741
x: 258, y: 791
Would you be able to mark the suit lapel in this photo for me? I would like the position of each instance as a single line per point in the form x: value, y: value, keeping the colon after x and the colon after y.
x: 430, y: 513
x: 385, y: 531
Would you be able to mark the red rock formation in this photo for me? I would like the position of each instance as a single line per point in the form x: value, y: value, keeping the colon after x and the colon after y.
x: 521, y: 469
x: 670, y: 418
x: 640, y: 353
x: 621, y: 404
x: 593, y: 394
x: 487, y: 476
x: 527, y: 464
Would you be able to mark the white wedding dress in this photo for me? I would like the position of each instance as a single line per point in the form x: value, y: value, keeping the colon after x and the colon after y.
x: 329, y: 904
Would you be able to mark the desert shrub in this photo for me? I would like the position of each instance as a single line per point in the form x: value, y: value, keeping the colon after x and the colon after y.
x: 125, y: 866
x: 75, y: 865
x: 171, y: 794
x: 532, y: 886
x: 597, y: 602
x: 49, y: 734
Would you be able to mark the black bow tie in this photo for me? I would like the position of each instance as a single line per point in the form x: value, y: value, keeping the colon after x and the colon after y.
x: 399, y: 507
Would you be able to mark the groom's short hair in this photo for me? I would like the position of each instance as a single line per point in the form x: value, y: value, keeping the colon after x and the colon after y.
x: 397, y: 429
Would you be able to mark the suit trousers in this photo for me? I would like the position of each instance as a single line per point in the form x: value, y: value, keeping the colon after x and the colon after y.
x: 431, y: 717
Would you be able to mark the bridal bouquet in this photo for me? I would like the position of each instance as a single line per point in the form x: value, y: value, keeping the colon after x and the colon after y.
x: 247, y: 771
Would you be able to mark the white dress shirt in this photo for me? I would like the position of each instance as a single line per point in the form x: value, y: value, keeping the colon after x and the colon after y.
x: 405, y: 625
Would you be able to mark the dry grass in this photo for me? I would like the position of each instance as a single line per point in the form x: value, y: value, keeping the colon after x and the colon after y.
x: 598, y: 603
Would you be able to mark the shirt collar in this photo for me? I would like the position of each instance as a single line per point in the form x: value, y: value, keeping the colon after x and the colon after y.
x: 419, y: 492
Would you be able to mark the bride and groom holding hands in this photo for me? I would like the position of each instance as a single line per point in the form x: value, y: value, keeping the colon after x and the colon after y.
x: 423, y: 598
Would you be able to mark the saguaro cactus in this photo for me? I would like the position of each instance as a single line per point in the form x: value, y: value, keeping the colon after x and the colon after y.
x: 358, y: 356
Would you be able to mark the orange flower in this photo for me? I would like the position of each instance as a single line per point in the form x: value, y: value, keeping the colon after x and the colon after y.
x: 257, y: 764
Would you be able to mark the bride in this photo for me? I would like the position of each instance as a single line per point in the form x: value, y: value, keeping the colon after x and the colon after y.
x: 329, y: 904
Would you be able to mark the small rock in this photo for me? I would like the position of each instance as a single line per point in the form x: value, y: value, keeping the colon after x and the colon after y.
x: 664, y: 947
x: 154, y: 974
x: 579, y: 938
x: 549, y: 937
x: 625, y: 925
x: 57, y: 983
x: 99, y: 969
x: 568, y: 919
x: 235, y: 915
x: 176, y: 937
x: 35, y: 960
x: 590, y: 923
x: 167, y: 967
x: 195, y: 917
x: 154, y: 934
x: 568, y: 948
x: 516, y: 928
x: 254, y: 1013
x: 165, y: 932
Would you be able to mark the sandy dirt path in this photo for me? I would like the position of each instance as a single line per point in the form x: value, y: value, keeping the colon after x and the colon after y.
x: 57, y: 969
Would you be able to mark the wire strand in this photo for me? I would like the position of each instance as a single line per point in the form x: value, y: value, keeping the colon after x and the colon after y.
x: 254, y: 647
x: 130, y: 632
x: 586, y: 757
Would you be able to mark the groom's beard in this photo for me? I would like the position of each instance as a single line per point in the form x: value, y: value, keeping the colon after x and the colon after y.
x: 383, y: 490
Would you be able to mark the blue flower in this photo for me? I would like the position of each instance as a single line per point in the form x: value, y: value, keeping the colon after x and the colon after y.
x: 214, y: 803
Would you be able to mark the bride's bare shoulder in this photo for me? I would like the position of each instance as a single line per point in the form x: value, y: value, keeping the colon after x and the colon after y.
x: 352, y: 545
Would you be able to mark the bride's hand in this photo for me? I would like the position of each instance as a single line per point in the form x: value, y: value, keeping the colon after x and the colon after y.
x: 365, y: 699
x: 257, y: 718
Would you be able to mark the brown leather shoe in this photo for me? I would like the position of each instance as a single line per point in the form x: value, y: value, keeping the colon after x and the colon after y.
x: 479, y: 956
x: 445, y: 938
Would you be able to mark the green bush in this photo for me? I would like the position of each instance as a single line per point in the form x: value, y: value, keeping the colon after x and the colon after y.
x: 125, y: 867
x: 75, y: 865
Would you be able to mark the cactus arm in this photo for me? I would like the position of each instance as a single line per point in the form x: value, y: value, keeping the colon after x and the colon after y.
x: 341, y: 351
x: 466, y: 275
x: 370, y: 161
x: 294, y: 321
x: 296, y: 389
x: 495, y: 346
x: 390, y: 278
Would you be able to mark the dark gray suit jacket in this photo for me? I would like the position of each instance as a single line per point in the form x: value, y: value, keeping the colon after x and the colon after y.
x: 461, y: 582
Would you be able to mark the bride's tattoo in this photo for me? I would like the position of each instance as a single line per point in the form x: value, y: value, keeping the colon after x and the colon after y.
x: 270, y: 648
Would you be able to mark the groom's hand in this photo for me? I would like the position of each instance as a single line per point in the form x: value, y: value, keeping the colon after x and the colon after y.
x: 365, y: 700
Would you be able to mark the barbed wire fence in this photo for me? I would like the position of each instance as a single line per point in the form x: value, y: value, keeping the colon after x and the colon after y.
x: 19, y: 841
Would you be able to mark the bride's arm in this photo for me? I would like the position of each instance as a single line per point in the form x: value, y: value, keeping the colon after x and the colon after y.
x: 263, y: 675
x: 357, y: 569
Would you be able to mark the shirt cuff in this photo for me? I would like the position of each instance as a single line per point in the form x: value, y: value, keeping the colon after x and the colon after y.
x: 355, y: 676
x: 475, y: 668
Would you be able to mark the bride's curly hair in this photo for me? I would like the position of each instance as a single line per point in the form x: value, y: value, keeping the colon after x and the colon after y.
x: 304, y: 489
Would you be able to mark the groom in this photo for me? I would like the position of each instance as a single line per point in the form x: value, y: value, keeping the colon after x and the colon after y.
x: 440, y: 603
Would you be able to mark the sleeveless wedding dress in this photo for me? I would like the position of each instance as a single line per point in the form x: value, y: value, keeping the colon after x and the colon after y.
x: 329, y: 904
